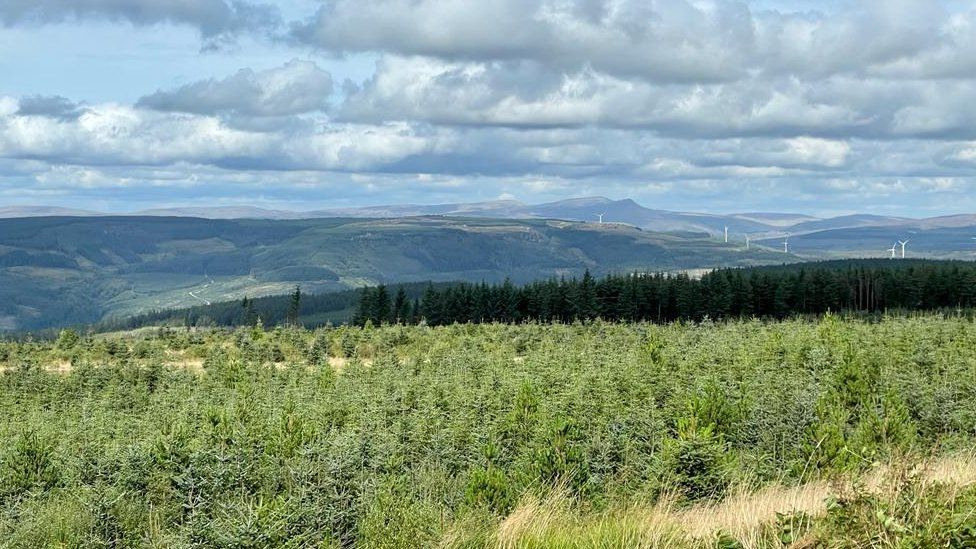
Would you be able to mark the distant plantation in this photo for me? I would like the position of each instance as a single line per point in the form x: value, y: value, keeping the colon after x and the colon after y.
x: 827, y: 433
x: 860, y: 286
x: 764, y: 292
x: 315, y: 310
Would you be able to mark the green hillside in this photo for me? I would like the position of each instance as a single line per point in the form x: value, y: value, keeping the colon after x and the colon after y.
x: 66, y: 270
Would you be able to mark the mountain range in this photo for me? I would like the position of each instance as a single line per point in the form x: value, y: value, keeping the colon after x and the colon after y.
x: 624, y: 211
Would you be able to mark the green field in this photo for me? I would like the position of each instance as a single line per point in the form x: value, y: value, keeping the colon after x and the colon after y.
x: 827, y: 433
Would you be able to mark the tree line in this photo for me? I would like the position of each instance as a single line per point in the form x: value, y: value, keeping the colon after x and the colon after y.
x: 308, y: 309
x: 767, y: 292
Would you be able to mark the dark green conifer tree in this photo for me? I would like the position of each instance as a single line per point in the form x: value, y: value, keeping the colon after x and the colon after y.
x: 294, y: 307
x: 382, y: 310
x: 401, y: 307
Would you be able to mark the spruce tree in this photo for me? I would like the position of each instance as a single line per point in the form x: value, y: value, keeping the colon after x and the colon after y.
x: 588, y: 307
x: 295, y: 307
x: 401, y: 307
x: 382, y: 308
x: 365, y: 310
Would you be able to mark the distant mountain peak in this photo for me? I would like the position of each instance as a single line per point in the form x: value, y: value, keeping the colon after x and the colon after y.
x: 8, y: 212
x: 581, y: 201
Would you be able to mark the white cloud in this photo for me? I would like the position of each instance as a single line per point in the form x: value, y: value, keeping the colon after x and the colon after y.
x: 526, y: 94
x: 294, y: 88
x: 112, y: 134
x: 8, y: 106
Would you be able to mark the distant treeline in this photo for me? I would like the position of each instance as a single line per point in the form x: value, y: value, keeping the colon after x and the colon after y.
x: 313, y: 310
x: 769, y: 292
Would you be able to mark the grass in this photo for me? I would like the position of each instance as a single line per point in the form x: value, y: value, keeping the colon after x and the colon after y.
x: 751, y: 518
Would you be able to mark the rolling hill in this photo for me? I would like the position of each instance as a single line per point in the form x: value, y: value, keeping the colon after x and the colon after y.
x: 953, y: 239
x: 627, y: 211
x: 59, y: 270
x: 624, y: 211
x: 84, y: 268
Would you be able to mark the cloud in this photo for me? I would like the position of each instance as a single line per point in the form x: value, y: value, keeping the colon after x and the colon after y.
x: 533, y: 98
x: 214, y: 19
x: 53, y: 106
x: 119, y: 135
x: 295, y: 88
x: 662, y: 41
x: 803, y: 153
x: 665, y: 40
x: 875, y: 70
x: 527, y: 94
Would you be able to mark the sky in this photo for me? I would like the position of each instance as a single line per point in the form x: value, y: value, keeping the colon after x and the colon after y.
x: 823, y: 107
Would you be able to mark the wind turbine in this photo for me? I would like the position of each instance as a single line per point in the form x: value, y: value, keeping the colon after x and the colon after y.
x: 748, y: 241
x: 903, y: 244
x: 786, y: 244
x: 600, y: 217
x: 893, y: 249
x: 726, y: 234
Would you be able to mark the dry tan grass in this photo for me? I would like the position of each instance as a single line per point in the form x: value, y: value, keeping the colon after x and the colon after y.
x: 532, y: 514
x: 61, y: 367
x: 661, y: 525
x: 744, y: 515
x: 958, y: 471
x: 339, y: 364
x: 186, y: 362
x: 57, y: 366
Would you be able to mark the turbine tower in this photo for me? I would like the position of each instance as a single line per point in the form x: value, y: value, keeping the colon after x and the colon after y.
x: 726, y: 234
x: 786, y: 243
x: 600, y: 217
x: 893, y: 250
x: 748, y: 241
x: 903, y: 244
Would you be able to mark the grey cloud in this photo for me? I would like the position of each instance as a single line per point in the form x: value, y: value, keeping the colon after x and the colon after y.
x: 297, y: 87
x: 664, y: 40
x: 53, y: 106
x: 215, y: 19
x: 878, y: 69
x: 451, y: 28
x: 866, y: 38
x: 529, y: 94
